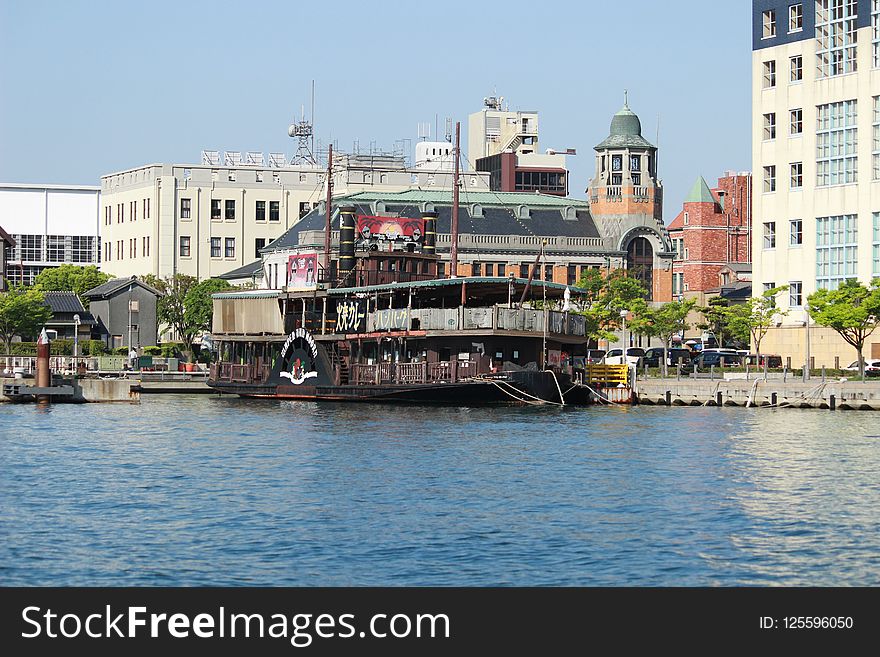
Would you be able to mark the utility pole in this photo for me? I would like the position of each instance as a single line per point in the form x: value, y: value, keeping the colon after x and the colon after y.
x: 328, y: 213
x: 456, y: 153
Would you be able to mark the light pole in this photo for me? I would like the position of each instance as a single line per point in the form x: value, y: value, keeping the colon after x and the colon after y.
x: 76, y: 322
x: 623, y: 314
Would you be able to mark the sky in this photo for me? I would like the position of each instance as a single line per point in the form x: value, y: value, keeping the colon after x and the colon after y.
x: 89, y: 88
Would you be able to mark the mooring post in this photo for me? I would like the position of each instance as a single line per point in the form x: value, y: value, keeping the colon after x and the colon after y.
x: 823, y: 374
x: 711, y: 372
x: 773, y: 399
x: 785, y: 374
x: 719, y: 399
x: 669, y: 398
x: 832, y: 403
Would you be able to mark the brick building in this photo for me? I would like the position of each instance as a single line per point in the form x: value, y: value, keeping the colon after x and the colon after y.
x: 711, y: 236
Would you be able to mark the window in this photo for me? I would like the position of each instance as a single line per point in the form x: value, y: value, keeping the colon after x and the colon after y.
x: 836, y: 143
x: 769, y: 24
x: 260, y: 211
x: 475, y: 269
x: 770, y: 74
x: 120, y: 213
x: 523, y: 271
x: 185, y: 208
x: 215, y: 209
x: 120, y: 253
x: 769, y: 286
x: 571, y: 274
x: 490, y: 269
x: 230, y: 247
x: 635, y: 162
x: 796, y: 234
x: 836, y: 250
x: 770, y: 235
x: 215, y: 247
x: 770, y: 126
x: 304, y: 209
x: 687, y: 253
x: 770, y: 179
x: 796, y: 69
x: 678, y: 247
x: 441, y: 270
x: 259, y: 243
x: 796, y: 122
x: 502, y: 269
x: 133, y: 210
x: 146, y: 208
x: 107, y: 214
x: 230, y: 210
x: 795, y: 18
x: 132, y: 247
x: 108, y: 251
x: 795, y: 294
x: 81, y: 247
x: 678, y: 283
x: 145, y: 246
x: 875, y: 149
x: 274, y: 211
x: 836, y: 37
x: 686, y: 218
x: 875, y: 32
x: 876, y: 244
x: 617, y: 162
x: 797, y: 175
x: 55, y: 248
x: 184, y: 246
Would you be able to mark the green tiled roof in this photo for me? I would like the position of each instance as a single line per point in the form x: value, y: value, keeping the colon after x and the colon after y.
x: 700, y: 193
x: 625, y: 132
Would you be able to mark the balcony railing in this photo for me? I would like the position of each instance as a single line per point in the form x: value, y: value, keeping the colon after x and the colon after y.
x: 235, y: 373
x: 410, y: 373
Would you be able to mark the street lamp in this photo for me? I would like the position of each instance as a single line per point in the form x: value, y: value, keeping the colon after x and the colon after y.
x: 623, y: 313
x: 76, y: 322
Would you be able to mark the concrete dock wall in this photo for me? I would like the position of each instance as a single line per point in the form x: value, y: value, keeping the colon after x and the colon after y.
x: 85, y: 390
x: 848, y: 395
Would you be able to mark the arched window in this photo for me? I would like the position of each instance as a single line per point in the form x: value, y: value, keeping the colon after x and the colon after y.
x: 640, y: 263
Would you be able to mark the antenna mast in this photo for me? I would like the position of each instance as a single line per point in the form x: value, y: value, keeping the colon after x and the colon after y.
x: 327, y: 212
x: 454, y: 266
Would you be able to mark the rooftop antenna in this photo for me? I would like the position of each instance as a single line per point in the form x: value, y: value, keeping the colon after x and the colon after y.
x: 424, y: 131
x: 449, y: 132
x: 304, y: 133
x: 626, y: 98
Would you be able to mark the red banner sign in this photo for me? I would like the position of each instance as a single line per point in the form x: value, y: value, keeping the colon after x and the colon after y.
x: 302, y: 271
x: 390, y: 229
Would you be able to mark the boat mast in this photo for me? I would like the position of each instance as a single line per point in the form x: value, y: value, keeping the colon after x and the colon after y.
x: 328, y: 213
x: 453, y: 270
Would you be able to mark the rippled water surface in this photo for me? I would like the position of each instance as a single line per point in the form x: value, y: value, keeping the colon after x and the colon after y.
x: 196, y: 490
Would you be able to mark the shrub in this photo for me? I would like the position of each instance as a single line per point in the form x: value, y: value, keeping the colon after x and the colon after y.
x: 152, y: 351
x: 121, y: 351
x: 94, y: 348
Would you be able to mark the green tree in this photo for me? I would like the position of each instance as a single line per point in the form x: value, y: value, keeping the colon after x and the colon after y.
x: 606, y: 296
x: 665, y: 322
x: 853, y: 310
x: 23, y: 312
x: 751, y: 320
x: 716, y: 315
x: 185, y: 305
x: 70, y: 278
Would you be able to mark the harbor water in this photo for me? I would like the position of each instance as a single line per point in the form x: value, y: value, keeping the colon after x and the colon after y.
x: 206, y: 490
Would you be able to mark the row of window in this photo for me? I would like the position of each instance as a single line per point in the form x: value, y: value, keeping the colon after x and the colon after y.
x: 836, y: 36
x: 836, y: 247
x: 54, y: 248
x: 225, y: 209
x: 120, y: 247
x: 795, y: 71
x: 227, y: 245
x: 836, y: 144
x: 120, y: 212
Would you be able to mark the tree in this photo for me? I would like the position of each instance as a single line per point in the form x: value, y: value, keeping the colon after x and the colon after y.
x: 185, y: 305
x: 605, y: 297
x: 70, y: 278
x: 665, y: 321
x: 716, y: 315
x: 853, y: 310
x: 752, y: 319
x: 23, y: 311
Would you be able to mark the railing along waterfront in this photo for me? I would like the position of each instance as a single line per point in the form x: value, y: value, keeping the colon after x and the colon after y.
x: 409, y: 373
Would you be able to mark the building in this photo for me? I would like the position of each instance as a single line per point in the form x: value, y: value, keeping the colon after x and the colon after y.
x: 6, y: 243
x: 711, y: 236
x: 504, y: 144
x: 626, y: 202
x: 816, y: 160
x: 203, y: 220
x: 69, y: 317
x: 125, y: 313
x: 51, y: 225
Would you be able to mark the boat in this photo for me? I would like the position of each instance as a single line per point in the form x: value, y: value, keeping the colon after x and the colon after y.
x: 377, y: 321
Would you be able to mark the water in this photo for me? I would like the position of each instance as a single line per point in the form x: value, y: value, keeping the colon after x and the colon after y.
x: 201, y: 490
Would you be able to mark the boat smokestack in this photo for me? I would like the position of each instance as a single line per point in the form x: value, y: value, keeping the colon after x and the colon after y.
x: 429, y: 246
x: 346, y: 239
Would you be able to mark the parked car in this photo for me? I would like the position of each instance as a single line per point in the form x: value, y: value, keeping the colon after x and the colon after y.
x: 673, y: 356
x: 872, y: 367
x: 752, y: 359
x: 707, y: 359
x: 634, y: 356
x: 594, y: 356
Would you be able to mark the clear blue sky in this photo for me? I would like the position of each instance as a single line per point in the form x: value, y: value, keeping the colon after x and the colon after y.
x: 88, y: 88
